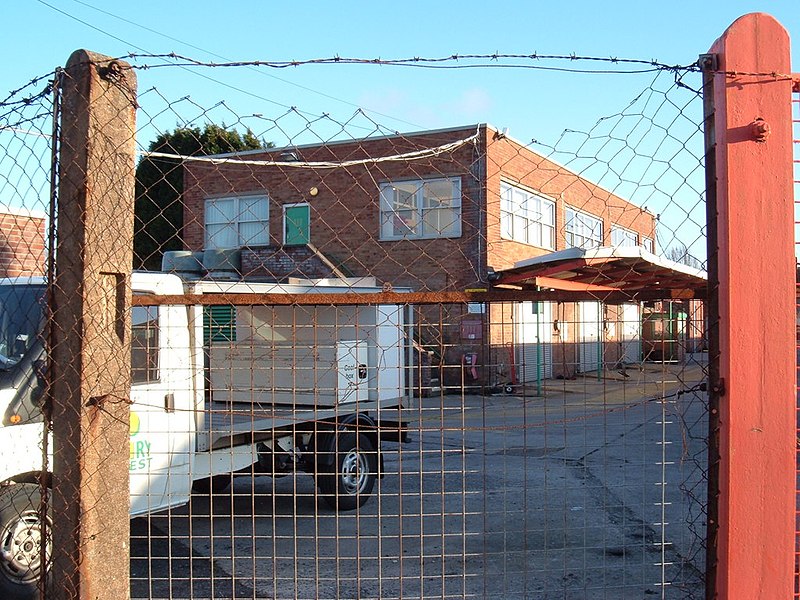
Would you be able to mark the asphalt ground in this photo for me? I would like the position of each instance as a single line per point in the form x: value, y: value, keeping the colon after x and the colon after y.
x: 576, y: 489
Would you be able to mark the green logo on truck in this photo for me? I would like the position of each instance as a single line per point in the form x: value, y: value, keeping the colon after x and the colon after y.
x: 139, y: 449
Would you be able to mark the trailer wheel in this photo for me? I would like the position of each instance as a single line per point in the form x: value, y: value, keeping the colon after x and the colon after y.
x: 348, y: 482
x: 20, y: 542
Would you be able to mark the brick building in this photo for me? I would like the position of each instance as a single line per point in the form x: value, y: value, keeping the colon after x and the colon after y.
x: 434, y: 211
x: 22, y: 242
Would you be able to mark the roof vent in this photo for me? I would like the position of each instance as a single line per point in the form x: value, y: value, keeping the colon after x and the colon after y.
x: 222, y: 262
x: 182, y: 261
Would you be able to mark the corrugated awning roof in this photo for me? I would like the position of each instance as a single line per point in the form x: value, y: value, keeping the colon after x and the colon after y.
x: 631, y: 270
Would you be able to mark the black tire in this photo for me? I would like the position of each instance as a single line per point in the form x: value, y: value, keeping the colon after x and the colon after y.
x: 20, y: 542
x: 348, y: 483
x: 216, y: 484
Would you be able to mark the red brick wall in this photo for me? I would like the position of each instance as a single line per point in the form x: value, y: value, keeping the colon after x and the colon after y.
x: 509, y: 161
x: 22, y: 243
x: 345, y: 215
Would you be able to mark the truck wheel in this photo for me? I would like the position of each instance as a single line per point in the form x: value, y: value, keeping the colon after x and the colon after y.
x: 20, y: 542
x: 348, y: 483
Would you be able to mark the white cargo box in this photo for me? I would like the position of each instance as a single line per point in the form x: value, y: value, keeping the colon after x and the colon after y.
x: 308, y: 356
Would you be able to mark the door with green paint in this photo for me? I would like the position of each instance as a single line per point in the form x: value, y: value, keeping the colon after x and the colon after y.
x: 296, y: 224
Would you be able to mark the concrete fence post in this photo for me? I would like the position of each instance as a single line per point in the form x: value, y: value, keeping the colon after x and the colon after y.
x: 90, y: 364
x: 752, y: 290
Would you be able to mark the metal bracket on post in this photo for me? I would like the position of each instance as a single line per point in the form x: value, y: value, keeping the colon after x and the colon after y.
x: 708, y: 62
x: 761, y: 130
x: 111, y: 72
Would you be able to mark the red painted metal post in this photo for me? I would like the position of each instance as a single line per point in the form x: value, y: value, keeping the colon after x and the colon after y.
x: 755, y: 289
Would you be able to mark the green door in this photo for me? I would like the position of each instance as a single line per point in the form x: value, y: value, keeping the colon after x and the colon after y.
x: 296, y: 225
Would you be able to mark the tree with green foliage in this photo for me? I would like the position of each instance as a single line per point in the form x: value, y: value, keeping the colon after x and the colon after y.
x: 158, y: 213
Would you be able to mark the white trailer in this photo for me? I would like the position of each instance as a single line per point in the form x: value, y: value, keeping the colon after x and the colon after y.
x: 217, y: 389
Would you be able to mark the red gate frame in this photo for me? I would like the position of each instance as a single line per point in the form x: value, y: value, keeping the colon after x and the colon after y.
x: 752, y: 486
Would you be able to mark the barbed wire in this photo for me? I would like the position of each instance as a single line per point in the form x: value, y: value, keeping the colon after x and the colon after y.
x: 15, y: 101
x: 35, y: 81
x: 652, y: 65
x: 432, y: 62
x: 442, y: 62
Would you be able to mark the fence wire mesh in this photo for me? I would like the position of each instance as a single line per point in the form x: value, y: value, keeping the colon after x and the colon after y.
x: 26, y: 187
x: 370, y: 364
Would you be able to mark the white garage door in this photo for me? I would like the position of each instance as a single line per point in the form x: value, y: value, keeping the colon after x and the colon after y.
x: 589, y: 336
x: 534, y: 341
x: 631, y: 328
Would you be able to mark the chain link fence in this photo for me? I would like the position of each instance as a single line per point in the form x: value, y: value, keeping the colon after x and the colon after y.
x: 26, y: 189
x: 353, y: 362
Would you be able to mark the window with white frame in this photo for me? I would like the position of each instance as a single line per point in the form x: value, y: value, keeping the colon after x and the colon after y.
x: 621, y: 237
x: 237, y: 221
x: 647, y: 243
x: 582, y: 230
x: 424, y: 208
x: 527, y: 217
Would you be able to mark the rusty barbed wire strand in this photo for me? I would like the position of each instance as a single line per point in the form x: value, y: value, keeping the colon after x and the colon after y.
x: 422, y: 62
x: 50, y: 76
x: 441, y: 63
x: 431, y: 62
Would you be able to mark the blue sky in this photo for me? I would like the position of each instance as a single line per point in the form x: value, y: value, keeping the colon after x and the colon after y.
x: 533, y: 104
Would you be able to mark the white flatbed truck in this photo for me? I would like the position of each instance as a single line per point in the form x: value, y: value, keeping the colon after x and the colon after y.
x: 216, y: 390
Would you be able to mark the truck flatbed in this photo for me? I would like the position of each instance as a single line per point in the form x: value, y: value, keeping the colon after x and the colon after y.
x: 227, y: 424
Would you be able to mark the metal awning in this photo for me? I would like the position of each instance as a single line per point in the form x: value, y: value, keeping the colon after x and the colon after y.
x: 631, y: 270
